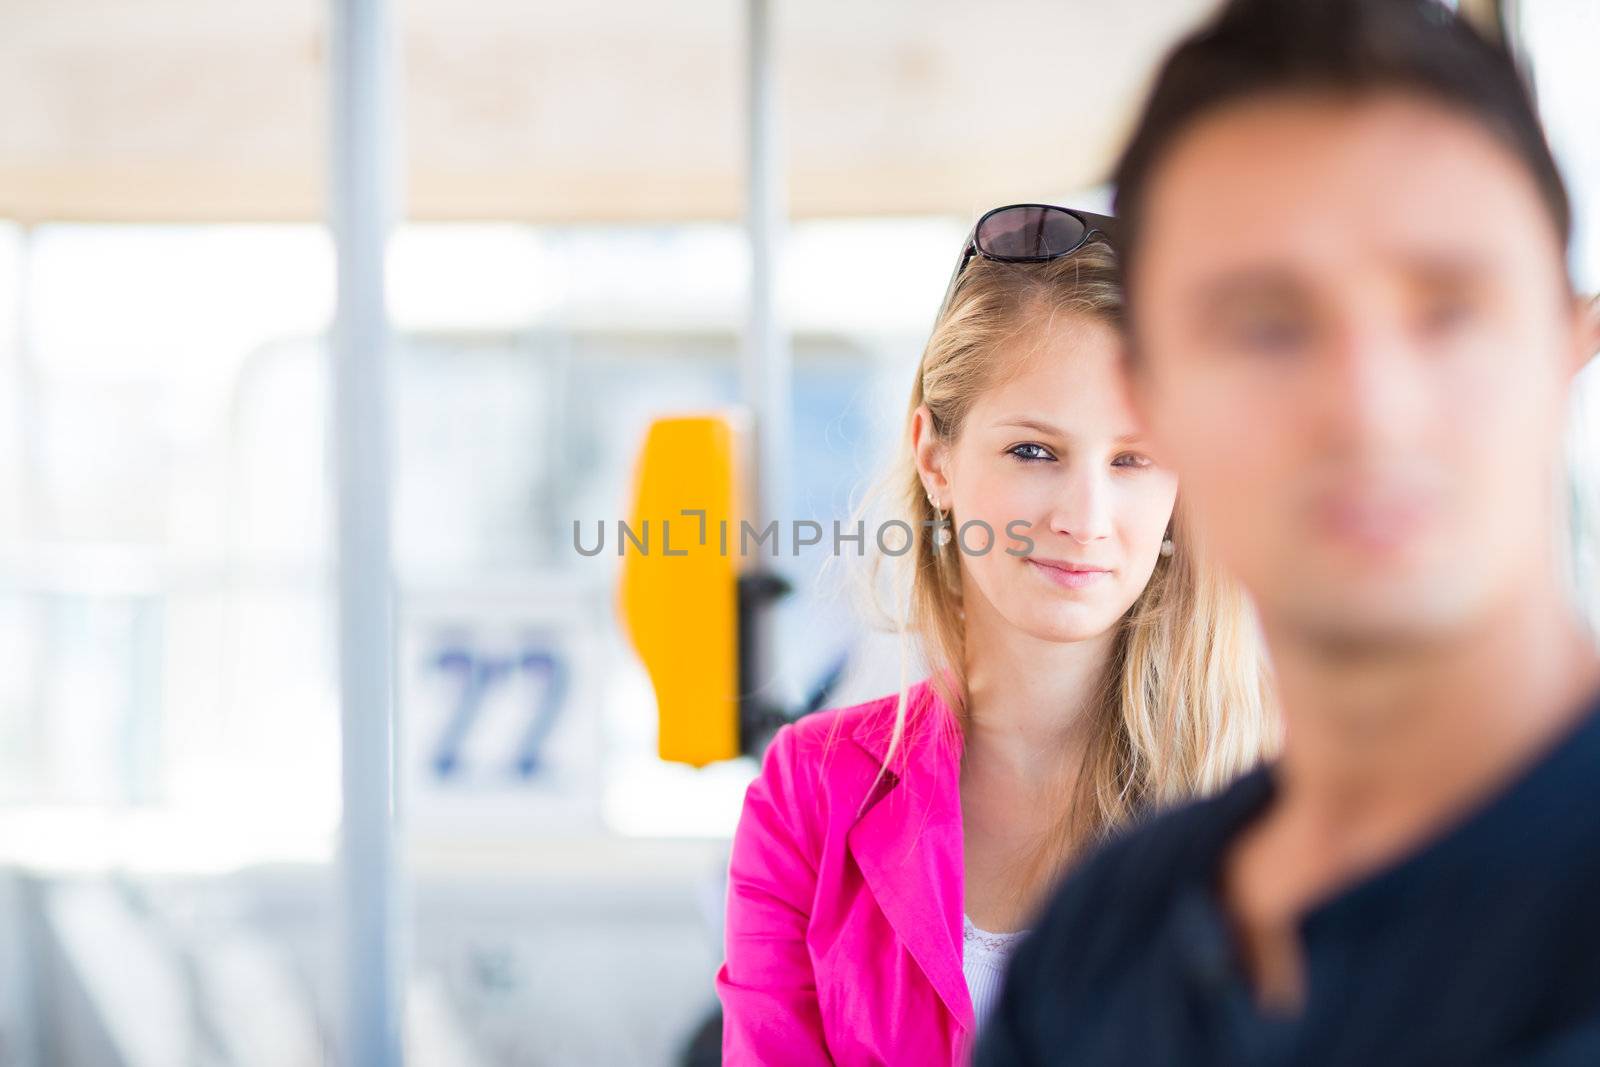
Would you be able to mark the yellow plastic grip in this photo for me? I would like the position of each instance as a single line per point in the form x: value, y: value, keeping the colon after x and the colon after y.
x: 678, y: 593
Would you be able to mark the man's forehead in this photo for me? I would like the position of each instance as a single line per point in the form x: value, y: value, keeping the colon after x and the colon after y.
x: 1214, y: 218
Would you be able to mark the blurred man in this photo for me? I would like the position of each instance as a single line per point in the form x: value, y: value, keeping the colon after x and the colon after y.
x: 1354, y: 335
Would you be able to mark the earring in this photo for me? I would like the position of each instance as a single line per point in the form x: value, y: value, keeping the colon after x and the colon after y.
x: 941, y: 529
x: 1166, y: 547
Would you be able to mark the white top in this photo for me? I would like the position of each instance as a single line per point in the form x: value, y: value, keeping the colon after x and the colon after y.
x: 983, y: 961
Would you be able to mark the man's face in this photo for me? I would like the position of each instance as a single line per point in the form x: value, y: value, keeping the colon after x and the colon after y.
x: 1354, y: 344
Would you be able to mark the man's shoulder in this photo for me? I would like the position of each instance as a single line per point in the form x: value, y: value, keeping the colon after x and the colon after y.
x: 1184, y: 837
x: 1123, y: 887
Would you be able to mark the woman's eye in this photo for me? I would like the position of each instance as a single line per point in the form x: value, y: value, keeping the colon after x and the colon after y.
x: 1030, y: 452
x: 1132, y: 459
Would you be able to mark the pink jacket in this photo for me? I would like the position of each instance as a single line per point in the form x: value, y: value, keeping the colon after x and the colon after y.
x: 843, y: 931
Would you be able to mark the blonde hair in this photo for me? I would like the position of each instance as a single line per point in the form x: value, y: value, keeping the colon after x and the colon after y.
x: 1184, y: 703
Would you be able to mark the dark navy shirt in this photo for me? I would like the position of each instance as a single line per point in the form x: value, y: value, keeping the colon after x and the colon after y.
x: 1481, y: 947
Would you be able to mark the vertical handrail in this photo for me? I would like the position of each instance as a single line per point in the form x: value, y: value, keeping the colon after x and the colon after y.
x: 765, y: 366
x: 363, y: 190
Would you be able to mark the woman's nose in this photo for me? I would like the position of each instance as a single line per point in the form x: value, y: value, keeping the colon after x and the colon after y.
x: 1082, y: 508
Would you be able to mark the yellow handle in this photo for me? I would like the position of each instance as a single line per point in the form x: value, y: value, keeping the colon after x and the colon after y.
x: 679, y: 591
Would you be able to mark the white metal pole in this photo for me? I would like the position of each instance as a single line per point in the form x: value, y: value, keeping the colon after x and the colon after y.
x: 765, y: 366
x: 363, y: 192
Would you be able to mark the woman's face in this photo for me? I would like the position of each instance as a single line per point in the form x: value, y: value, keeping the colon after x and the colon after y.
x: 1052, y: 453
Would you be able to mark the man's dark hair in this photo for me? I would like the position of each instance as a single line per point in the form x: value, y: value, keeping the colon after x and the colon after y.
x: 1254, y: 48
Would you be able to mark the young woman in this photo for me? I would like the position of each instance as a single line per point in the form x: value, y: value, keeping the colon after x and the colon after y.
x: 1085, y: 666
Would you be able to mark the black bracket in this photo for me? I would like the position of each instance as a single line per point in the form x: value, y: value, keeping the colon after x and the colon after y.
x: 759, y: 716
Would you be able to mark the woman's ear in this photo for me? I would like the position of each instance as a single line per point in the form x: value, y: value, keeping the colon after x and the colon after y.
x: 931, y: 455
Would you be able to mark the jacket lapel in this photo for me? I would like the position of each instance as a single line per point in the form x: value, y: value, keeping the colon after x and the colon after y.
x: 907, y: 840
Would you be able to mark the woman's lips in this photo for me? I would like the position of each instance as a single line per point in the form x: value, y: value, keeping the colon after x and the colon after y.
x: 1068, y: 575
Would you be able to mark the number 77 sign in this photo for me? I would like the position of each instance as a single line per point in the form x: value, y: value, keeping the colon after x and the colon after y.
x: 499, y: 711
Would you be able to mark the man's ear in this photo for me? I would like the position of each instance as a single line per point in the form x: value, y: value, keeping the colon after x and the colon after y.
x: 1589, y: 330
x: 1586, y: 332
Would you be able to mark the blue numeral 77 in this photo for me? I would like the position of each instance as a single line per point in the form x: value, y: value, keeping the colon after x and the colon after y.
x: 478, y: 674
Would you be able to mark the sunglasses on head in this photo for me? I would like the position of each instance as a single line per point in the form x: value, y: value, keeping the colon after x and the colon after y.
x: 1030, y: 233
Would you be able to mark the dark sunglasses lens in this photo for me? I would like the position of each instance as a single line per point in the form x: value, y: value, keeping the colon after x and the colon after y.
x: 1028, y: 232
